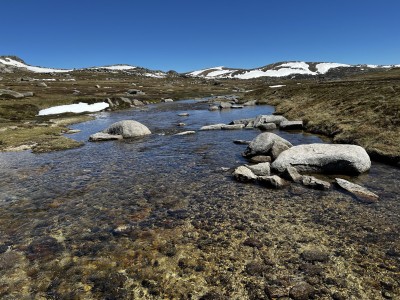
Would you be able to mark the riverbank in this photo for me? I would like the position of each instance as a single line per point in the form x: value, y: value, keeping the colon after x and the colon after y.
x: 362, y: 110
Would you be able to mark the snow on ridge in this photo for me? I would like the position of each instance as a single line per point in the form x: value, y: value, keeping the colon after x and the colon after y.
x: 11, y: 62
x: 74, y: 108
x: 114, y: 67
x: 322, y: 68
x: 197, y: 73
x: 219, y: 73
x: 155, y: 75
x: 296, y: 65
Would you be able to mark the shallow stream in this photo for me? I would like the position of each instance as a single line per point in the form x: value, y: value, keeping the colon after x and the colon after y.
x: 160, y: 217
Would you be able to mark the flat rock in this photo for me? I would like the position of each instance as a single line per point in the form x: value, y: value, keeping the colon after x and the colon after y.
x: 213, y: 127
x: 183, y: 114
x: 213, y: 108
x: 11, y: 94
x: 260, y: 158
x: 128, y: 129
x: 250, y: 103
x: 324, y: 158
x: 244, y: 174
x: 224, y: 105
x: 291, y: 125
x: 263, y: 143
x: 261, y: 169
x: 360, y: 192
x: 186, y: 132
x: 314, y: 183
x: 101, y: 136
x: 233, y: 127
x: 273, y: 181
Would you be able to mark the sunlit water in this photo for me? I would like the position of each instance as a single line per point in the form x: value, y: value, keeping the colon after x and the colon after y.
x: 70, y: 205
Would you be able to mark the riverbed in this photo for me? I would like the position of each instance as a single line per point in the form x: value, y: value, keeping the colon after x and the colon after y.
x: 161, y: 217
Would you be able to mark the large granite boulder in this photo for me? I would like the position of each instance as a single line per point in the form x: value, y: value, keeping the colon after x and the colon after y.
x: 324, y: 158
x: 263, y: 143
x: 128, y: 129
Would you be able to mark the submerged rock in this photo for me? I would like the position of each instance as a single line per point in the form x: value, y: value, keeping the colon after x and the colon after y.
x: 312, y: 182
x: 263, y: 143
x: 273, y: 181
x: 361, y: 193
x: 101, y: 136
x: 324, y: 158
x: 128, y: 129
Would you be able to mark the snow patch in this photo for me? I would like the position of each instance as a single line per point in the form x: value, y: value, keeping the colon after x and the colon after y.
x: 219, y: 73
x: 74, y: 108
x: 115, y: 67
x: 276, y: 86
x: 14, y: 63
x: 322, y: 68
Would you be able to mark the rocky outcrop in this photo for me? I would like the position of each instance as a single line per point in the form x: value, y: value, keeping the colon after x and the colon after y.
x: 128, y: 129
x: 263, y: 143
x: 324, y: 158
x: 361, y: 193
x: 10, y: 94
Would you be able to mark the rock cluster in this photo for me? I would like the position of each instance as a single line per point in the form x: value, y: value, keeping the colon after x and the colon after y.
x: 288, y: 161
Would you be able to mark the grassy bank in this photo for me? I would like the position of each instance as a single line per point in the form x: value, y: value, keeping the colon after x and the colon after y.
x: 361, y: 110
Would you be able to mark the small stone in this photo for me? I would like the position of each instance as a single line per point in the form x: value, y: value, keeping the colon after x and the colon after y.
x: 183, y: 114
x: 313, y: 255
x: 244, y: 174
x: 181, y: 124
x: 267, y: 126
x: 292, y: 174
x: 314, y: 183
x: 97, y: 86
x: 273, y: 181
x: 301, y: 291
x: 361, y: 193
x: 254, y: 243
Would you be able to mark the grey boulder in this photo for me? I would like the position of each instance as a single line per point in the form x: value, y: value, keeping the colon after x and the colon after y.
x: 263, y: 119
x: 261, y: 169
x: 324, y: 158
x: 244, y: 174
x: 128, y: 129
x: 263, y: 143
x: 11, y: 94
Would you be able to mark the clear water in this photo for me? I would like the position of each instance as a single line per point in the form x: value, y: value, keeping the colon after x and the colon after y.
x: 71, y: 219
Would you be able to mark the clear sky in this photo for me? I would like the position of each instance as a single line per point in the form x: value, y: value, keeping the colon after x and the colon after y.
x: 186, y: 35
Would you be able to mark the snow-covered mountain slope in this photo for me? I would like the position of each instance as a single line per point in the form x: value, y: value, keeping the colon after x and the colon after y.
x: 114, y: 67
x: 19, y: 64
x: 282, y: 69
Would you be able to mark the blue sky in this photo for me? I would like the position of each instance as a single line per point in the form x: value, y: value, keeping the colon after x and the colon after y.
x: 186, y: 35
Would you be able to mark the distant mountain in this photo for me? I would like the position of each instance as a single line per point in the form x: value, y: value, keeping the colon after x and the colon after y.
x: 282, y: 69
x: 291, y: 69
x: 11, y: 64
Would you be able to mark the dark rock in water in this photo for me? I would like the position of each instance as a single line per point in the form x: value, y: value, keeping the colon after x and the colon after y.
x: 273, y: 181
x: 128, y: 129
x: 324, y: 158
x: 313, y: 255
x: 361, y: 193
x: 261, y: 169
x: 301, y: 291
x: 260, y: 158
x: 241, y: 142
x: 315, y: 183
x: 277, y: 148
x: 263, y: 143
x: 292, y: 174
x: 101, y: 136
x: 267, y: 126
x: 291, y: 125
x: 244, y: 174
x: 44, y: 248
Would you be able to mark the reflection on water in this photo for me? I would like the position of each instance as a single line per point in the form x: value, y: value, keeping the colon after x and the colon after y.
x: 157, y: 217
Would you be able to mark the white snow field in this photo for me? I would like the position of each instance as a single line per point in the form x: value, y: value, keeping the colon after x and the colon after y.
x: 74, y: 108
